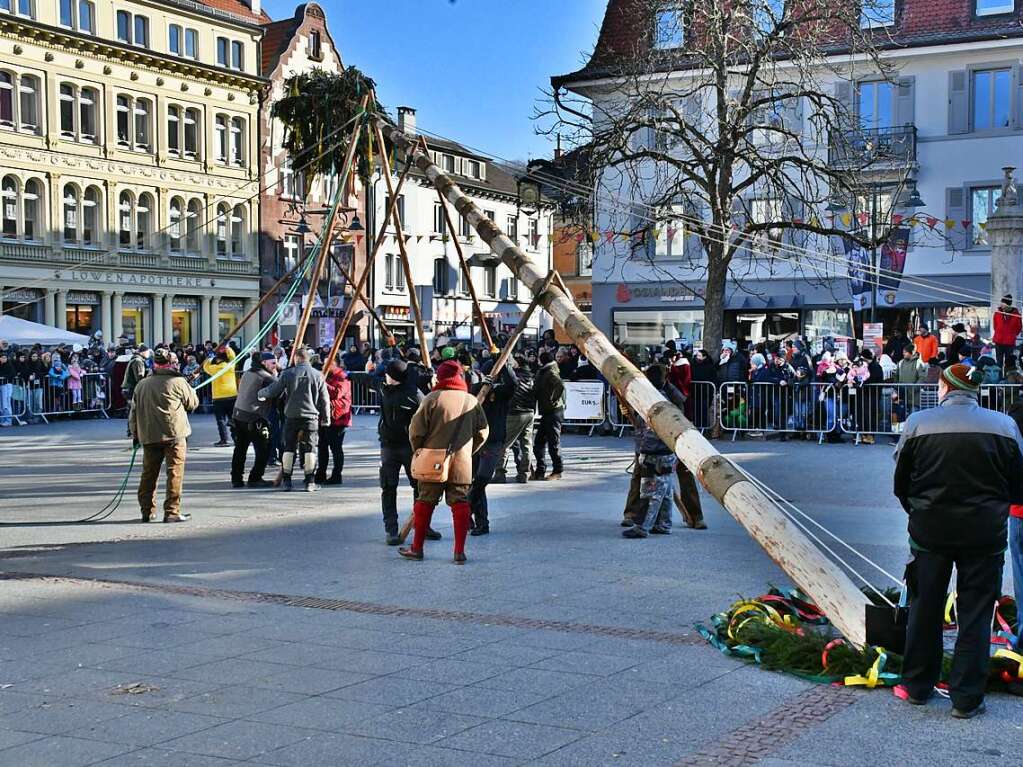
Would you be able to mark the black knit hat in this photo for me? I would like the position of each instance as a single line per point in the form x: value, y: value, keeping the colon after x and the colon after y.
x: 397, y: 369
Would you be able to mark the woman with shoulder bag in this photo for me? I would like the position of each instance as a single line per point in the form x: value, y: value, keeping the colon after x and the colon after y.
x: 445, y: 432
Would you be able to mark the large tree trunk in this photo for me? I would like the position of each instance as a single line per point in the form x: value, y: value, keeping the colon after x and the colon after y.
x: 821, y: 579
x: 714, y: 301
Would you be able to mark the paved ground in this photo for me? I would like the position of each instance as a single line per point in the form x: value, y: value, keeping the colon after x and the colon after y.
x: 279, y: 630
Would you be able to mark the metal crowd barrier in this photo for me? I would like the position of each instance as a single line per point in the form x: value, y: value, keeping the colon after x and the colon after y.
x: 882, y: 408
x: 365, y: 396
x: 700, y: 408
x: 13, y: 401
x: 999, y: 397
x: 803, y: 408
x: 46, y: 398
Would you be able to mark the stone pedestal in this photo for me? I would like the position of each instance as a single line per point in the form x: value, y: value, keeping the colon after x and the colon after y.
x: 1005, y: 233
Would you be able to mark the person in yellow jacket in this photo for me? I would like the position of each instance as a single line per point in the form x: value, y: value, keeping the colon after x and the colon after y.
x: 225, y: 391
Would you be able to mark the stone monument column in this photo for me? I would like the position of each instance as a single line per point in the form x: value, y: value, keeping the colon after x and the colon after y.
x: 1005, y: 233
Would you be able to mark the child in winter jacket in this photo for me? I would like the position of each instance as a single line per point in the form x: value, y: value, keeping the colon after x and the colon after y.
x: 74, y: 382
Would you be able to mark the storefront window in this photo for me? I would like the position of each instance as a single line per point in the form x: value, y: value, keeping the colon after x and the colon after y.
x: 181, y: 322
x: 638, y: 331
x: 827, y: 322
x: 976, y: 320
x: 131, y: 324
x: 79, y: 319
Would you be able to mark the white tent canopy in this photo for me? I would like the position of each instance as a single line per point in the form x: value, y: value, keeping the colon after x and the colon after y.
x: 20, y: 332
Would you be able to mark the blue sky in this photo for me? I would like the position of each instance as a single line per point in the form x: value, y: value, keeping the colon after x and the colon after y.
x: 499, y: 54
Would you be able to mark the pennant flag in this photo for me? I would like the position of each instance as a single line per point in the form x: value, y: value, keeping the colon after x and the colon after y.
x: 797, y: 221
x: 610, y: 236
x: 408, y: 237
x: 580, y: 237
x: 594, y: 237
x: 671, y: 233
x: 657, y: 233
x: 983, y: 225
x: 864, y: 218
x: 966, y: 223
x: 815, y: 222
x: 358, y: 239
x: 897, y: 219
x: 536, y: 239
x: 846, y: 219
x: 932, y: 222
x: 950, y: 224
x: 419, y: 238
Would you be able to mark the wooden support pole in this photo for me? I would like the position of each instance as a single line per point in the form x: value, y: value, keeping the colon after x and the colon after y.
x: 361, y: 296
x: 820, y: 578
x: 410, y: 284
x: 370, y: 256
x: 266, y: 296
x: 484, y: 330
x: 328, y: 238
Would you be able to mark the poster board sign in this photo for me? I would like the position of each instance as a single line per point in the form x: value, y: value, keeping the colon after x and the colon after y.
x: 873, y: 334
x: 326, y: 334
x: 584, y: 401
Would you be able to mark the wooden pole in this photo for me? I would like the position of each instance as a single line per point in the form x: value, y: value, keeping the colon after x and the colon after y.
x: 370, y: 256
x: 484, y: 330
x: 410, y: 284
x: 832, y: 590
x: 326, y: 243
x: 266, y: 296
x: 361, y: 296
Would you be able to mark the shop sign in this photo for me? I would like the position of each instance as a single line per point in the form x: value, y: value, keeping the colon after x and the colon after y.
x: 77, y: 298
x: 671, y: 292
x: 327, y: 311
x: 231, y: 305
x: 136, y: 301
x: 140, y: 279
x: 584, y: 400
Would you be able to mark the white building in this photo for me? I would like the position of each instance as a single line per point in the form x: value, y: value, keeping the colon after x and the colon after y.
x: 439, y: 282
x: 951, y: 120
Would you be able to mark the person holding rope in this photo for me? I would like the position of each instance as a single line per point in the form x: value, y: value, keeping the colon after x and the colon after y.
x: 251, y: 424
x: 306, y: 407
x: 959, y: 467
x: 158, y: 421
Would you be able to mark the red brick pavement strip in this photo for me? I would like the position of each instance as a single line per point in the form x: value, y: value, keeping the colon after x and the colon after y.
x: 371, y: 608
x: 757, y: 739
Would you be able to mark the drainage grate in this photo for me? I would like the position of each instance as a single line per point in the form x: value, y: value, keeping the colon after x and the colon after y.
x: 757, y: 739
x: 371, y: 608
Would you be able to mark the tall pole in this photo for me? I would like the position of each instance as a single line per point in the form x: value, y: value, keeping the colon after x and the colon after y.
x: 362, y: 297
x: 836, y: 594
x: 360, y: 285
x: 266, y: 296
x: 327, y: 242
x: 410, y: 283
x: 874, y: 204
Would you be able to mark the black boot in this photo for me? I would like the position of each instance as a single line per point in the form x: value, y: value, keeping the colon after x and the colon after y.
x: 286, y: 483
x: 310, y: 484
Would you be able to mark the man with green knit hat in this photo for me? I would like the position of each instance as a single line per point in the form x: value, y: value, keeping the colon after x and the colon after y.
x: 958, y: 469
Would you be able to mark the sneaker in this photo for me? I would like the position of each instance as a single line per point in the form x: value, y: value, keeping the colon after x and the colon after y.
x: 222, y: 443
x: 536, y: 476
x: 332, y: 480
x: 521, y: 479
x: 409, y: 553
x: 432, y: 535
x: 656, y: 530
x: 260, y: 483
x: 959, y: 713
x: 394, y: 540
x: 480, y: 531
x: 177, y: 517
x: 635, y: 532
x: 237, y: 483
x: 311, y: 486
x: 286, y: 485
x: 458, y: 559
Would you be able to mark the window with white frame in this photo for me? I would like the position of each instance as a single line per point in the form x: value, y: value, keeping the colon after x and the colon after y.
x: 144, y: 209
x: 315, y: 46
x: 238, y: 232
x: 399, y: 275
x: 135, y: 220
x: 175, y: 225
x: 440, y: 276
x: 223, y: 52
x: 81, y: 215
x: 183, y: 131
x: 134, y: 123
x: 389, y: 271
x: 464, y: 228
x: 992, y: 98
x: 292, y: 250
x: 26, y: 8
x: 192, y: 43
x: 237, y: 56
x: 511, y: 228
x: 174, y: 130
x: 193, y: 225
x: 472, y: 169
x: 20, y: 208
x: 238, y: 141
x: 464, y: 276
x: 190, y: 133
x: 983, y: 201
x: 584, y: 259
x: 133, y: 29
x: 19, y: 102
x: 79, y: 15
x: 182, y: 41
x: 670, y: 236
x: 78, y: 113
x: 669, y: 26
x: 764, y: 211
x: 490, y: 214
x: 993, y: 7
x: 513, y: 288
x: 490, y: 281
x: 877, y: 13
x: 534, y: 233
x: 220, y: 136
x: 222, y: 224
x: 439, y: 221
x: 125, y: 208
x: 448, y: 163
x: 874, y: 104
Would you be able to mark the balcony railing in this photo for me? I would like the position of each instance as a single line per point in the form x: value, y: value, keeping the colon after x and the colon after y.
x: 235, y: 267
x: 24, y: 251
x: 138, y: 260
x: 865, y: 147
x: 189, y: 263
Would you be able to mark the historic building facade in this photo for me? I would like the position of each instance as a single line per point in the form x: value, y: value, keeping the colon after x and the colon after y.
x: 129, y: 170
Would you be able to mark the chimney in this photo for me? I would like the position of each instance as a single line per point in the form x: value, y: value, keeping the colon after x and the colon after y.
x: 255, y: 6
x: 557, y: 149
x: 407, y: 120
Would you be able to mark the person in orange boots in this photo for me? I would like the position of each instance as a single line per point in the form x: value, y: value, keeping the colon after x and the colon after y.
x: 446, y: 430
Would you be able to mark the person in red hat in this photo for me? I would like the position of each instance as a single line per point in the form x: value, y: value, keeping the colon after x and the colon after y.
x: 959, y: 467
x: 449, y: 422
x: 1007, y: 326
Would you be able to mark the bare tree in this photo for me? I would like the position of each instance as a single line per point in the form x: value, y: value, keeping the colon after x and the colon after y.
x: 727, y: 129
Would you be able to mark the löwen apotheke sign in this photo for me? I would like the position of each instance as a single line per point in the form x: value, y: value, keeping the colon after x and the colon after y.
x: 137, y: 280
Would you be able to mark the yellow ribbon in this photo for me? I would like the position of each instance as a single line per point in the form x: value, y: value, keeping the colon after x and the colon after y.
x: 1012, y: 656
x: 949, y: 604
x: 871, y: 679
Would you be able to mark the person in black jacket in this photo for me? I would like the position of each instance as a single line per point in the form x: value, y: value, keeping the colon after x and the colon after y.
x: 486, y: 460
x: 959, y: 467
x: 519, y: 423
x: 550, y: 402
x: 399, y: 400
